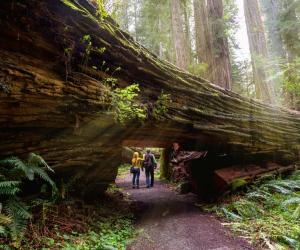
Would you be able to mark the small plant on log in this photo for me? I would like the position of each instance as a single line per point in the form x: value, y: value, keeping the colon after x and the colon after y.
x: 101, y: 12
x: 161, y: 106
x: 125, y: 106
x: 86, y: 41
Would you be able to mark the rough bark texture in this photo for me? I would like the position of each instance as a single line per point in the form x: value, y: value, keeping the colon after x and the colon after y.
x: 203, y: 37
x: 54, y: 103
x: 221, y: 69
x: 258, y: 48
x: 291, y: 38
x: 178, y: 36
x: 271, y: 10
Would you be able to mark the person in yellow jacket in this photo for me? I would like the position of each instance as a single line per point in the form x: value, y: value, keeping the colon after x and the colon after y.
x: 136, y: 164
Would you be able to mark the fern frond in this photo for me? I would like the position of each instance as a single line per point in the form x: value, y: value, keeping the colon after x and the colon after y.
x: 17, y: 210
x: 20, y: 215
x: 3, y: 232
x: 296, y: 214
x: 258, y: 195
x: 277, y: 188
x: 4, y: 219
x: 230, y: 215
x: 290, y: 201
x: 9, y: 187
x: 43, y: 175
x: 36, y: 161
x: 18, y: 164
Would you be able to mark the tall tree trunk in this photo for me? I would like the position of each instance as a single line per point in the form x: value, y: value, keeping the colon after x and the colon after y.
x: 125, y: 22
x: 258, y: 50
x: 291, y: 38
x: 160, y: 49
x: 187, y: 31
x: 271, y: 10
x: 135, y: 6
x: 291, y: 31
x: 221, y: 68
x: 203, y: 37
x: 179, y: 41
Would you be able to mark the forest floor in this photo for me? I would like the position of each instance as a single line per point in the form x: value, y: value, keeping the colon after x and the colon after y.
x: 171, y: 221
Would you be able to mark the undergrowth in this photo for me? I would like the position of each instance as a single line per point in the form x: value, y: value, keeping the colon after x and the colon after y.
x: 123, y: 170
x: 46, y: 222
x: 268, y: 213
x: 74, y: 224
x: 14, y: 211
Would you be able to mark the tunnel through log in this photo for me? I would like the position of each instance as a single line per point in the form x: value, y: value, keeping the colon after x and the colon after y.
x: 54, y: 105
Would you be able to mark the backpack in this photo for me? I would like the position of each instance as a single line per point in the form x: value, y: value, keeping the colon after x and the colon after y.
x: 148, y: 162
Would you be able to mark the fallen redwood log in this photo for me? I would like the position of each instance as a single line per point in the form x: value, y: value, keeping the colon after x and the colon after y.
x: 225, y: 178
x: 53, y: 99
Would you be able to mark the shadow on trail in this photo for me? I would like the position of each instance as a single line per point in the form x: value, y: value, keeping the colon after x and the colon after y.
x: 170, y: 221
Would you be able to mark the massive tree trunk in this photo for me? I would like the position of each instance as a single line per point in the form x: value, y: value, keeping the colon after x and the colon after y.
x: 290, y: 32
x: 53, y: 104
x: 221, y: 69
x: 203, y: 37
x: 178, y: 36
x: 187, y: 32
x: 258, y: 49
x: 271, y: 9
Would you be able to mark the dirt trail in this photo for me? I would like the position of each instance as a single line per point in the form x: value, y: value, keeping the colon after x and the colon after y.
x: 170, y: 221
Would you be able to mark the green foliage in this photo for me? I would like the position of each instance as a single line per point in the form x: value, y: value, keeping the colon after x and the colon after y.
x: 161, y: 106
x: 236, y: 184
x: 87, y: 42
x: 198, y: 69
x: 110, y: 82
x: 110, y: 233
x: 269, y: 212
x: 101, y: 12
x: 71, y: 5
x: 14, y: 213
x: 125, y: 106
x: 123, y: 170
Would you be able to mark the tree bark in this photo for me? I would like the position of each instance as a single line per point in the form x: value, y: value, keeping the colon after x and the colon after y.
x: 178, y: 35
x: 187, y: 32
x: 67, y: 120
x: 271, y: 9
x: 258, y: 49
x: 221, y: 61
x: 203, y: 37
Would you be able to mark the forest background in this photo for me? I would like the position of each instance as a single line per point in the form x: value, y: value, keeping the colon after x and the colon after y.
x: 210, y: 38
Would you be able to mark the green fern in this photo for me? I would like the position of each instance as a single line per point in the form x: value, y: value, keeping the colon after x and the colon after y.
x: 268, y: 212
x: 9, y: 188
x: 15, y: 214
x: 4, y: 219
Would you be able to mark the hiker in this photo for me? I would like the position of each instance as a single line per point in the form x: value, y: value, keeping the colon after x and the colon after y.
x: 135, y: 169
x: 149, y: 164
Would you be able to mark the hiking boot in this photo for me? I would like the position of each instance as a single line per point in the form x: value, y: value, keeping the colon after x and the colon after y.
x: 133, y: 186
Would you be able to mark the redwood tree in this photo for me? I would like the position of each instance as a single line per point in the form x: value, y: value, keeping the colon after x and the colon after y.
x: 178, y: 34
x: 203, y: 36
x: 221, y: 68
x: 258, y: 50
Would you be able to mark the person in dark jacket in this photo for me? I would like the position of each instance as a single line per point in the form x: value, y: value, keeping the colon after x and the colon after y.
x: 149, y: 164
